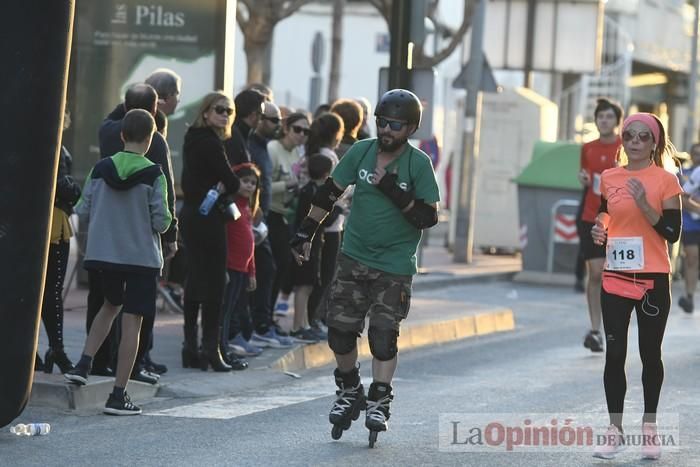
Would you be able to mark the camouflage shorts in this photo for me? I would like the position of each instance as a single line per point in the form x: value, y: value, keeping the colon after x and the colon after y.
x: 359, y: 290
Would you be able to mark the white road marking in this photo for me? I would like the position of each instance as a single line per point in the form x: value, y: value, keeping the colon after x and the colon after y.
x: 225, y: 408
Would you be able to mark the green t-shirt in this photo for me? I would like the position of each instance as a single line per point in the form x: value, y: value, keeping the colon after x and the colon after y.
x: 376, y: 232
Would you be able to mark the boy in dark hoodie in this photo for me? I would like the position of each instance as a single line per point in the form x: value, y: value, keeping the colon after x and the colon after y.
x: 125, y: 198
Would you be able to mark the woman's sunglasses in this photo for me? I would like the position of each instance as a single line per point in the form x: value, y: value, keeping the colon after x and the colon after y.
x: 393, y: 124
x: 299, y: 129
x: 275, y: 120
x: 644, y: 136
x: 220, y: 109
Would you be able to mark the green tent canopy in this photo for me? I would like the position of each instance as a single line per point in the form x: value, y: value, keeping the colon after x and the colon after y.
x: 553, y: 165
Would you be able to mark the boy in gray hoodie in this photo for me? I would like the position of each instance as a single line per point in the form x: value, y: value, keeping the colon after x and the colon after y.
x: 125, y: 199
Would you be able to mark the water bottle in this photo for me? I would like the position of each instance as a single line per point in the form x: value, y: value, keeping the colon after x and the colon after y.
x: 209, y: 200
x: 31, y: 429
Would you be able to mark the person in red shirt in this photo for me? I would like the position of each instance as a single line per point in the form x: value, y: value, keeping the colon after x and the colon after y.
x: 640, y: 214
x: 237, y: 326
x: 596, y: 156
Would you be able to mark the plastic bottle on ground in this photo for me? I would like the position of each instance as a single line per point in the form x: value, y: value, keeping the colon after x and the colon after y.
x: 31, y: 429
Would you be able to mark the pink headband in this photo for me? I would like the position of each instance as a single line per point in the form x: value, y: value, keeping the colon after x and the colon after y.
x: 647, y: 119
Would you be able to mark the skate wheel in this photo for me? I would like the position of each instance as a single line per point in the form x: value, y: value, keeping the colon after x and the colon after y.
x: 372, y: 438
x: 336, y: 432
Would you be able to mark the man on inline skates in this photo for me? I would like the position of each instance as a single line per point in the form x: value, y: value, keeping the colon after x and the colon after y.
x: 396, y: 197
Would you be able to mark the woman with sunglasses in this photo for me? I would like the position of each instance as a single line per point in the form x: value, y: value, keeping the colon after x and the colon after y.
x: 285, y: 153
x: 205, y: 166
x: 640, y: 213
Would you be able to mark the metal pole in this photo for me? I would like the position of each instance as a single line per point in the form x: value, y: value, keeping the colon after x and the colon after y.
x: 466, y: 202
x: 399, y: 75
x: 529, y: 43
x: 690, y: 136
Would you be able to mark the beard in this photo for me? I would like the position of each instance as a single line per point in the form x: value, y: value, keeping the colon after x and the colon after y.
x: 391, y: 145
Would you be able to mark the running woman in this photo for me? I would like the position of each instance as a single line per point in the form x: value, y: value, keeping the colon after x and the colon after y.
x: 640, y: 214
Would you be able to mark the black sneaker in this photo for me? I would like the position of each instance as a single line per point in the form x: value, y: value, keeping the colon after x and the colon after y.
x: 144, y: 376
x: 77, y: 375
x: 237, y: 363
x: 153, y: 367
x: 304, y: 336
x: 686, y: 303
x: 124, y: 406
x: 102, y: 371
x: 593, y: 341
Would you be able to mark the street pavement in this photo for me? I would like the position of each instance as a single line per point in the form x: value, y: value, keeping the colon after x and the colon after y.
x: 540, y: 368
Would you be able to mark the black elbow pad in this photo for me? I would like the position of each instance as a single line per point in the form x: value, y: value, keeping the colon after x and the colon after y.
x: 669, y: 225
x: 421, y: 215
x: 326, y: 195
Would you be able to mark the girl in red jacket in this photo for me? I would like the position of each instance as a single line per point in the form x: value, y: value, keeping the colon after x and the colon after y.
x: 240, y: 264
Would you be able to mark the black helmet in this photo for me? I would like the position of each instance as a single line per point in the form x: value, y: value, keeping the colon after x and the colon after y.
x: 401, y: 105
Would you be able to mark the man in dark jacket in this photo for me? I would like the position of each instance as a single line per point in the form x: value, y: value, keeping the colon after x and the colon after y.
x: 264, y: 263
x: 249, y: 108
x: 138, y: 96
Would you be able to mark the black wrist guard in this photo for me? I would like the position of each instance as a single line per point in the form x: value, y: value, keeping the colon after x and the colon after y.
x: 304, y: 234
x: 391, y: 190
x: 669, y: 225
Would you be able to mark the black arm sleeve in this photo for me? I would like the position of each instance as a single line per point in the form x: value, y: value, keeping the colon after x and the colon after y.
x: 326, y: 195
x: 603, y: 205
x: 669, y: 225
x: 421, y: 215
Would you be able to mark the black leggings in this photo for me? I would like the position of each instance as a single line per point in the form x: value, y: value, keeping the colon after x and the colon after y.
x: 652, y: 313
x: 52, y: 305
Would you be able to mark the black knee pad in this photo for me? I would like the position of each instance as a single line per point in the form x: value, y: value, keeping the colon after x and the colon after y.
x: 382, y: 343
x: 341, y: 342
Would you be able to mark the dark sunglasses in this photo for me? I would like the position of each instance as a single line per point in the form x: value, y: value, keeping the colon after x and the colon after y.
x: 298, y: 129
x: 275, y: 120
x: 644, y: 136
x: 393, y: 124
x: 220, y: 109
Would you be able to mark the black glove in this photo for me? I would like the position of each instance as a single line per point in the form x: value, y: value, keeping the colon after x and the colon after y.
x: 304, y: 234
x: 393, y: 191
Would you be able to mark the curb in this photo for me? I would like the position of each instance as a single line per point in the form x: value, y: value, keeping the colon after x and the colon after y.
x: 54, y: 391
x: 412, y: 337
x: 441, y: 280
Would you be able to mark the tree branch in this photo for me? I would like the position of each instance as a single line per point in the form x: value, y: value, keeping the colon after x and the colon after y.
x: 288, y: 7
x: 384, y: 8
x: 457, y: 37
x: 240, y: 19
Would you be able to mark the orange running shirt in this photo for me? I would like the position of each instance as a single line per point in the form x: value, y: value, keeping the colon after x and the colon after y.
x: 627, y: 220
x: 595, y: 158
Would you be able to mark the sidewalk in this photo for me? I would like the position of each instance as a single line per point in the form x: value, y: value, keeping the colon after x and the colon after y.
x: 430, y: 322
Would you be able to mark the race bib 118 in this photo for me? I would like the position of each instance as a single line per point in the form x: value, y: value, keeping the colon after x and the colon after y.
x: 625, y: 253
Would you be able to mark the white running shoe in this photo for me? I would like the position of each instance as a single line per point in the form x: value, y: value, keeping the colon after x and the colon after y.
x: 613, y: 444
